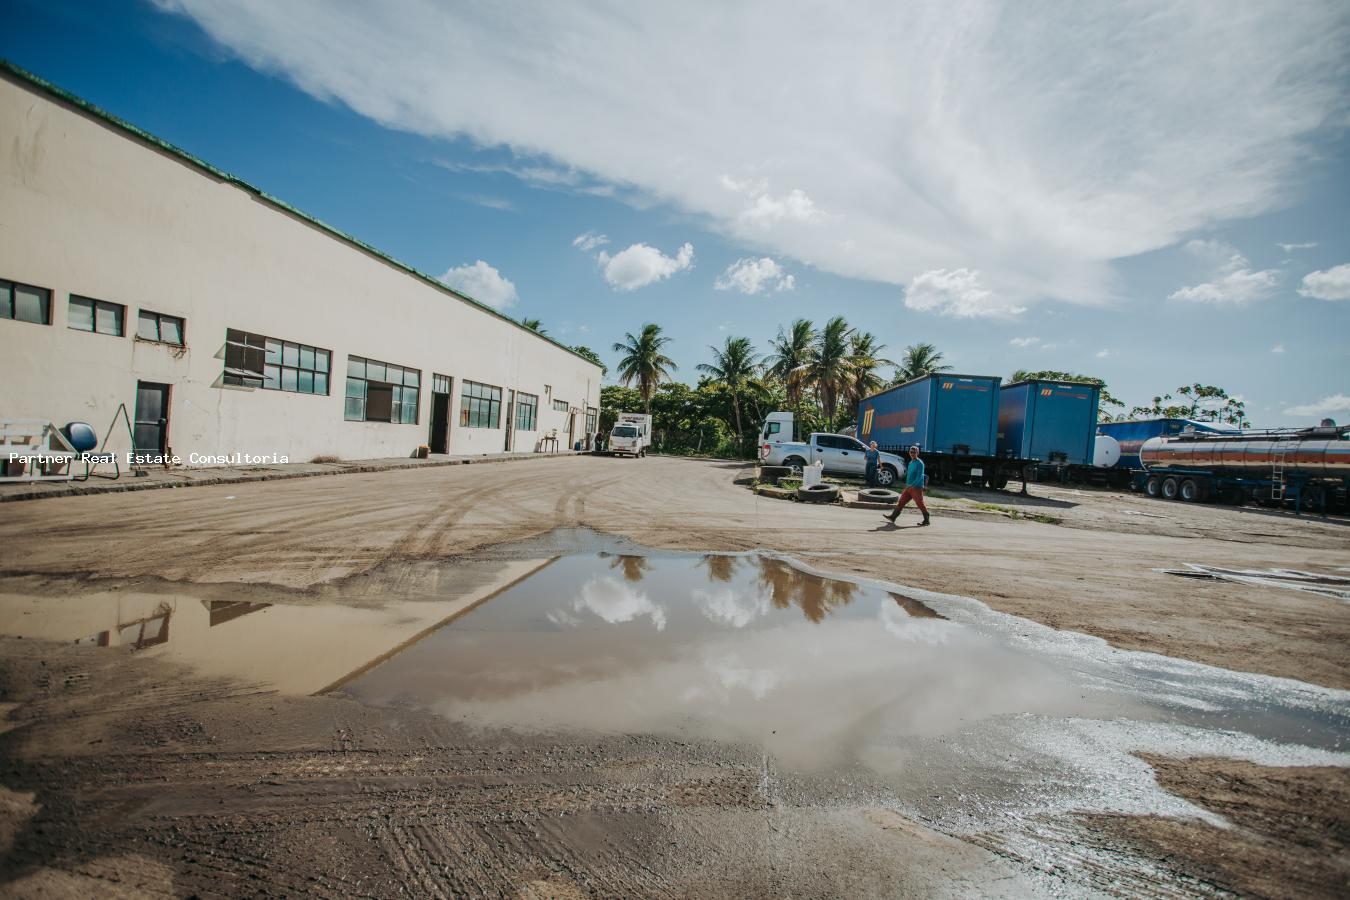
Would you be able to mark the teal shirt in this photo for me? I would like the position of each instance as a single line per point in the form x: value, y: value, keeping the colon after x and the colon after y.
x: 914, y: 473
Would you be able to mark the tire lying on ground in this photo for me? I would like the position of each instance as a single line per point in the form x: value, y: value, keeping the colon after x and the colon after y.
x: 878, y: 495
x: 771, y: 474
x: 818, y: 493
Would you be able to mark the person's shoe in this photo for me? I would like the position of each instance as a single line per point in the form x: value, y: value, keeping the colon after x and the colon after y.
x: 924, y: 522
x: 891, y: 518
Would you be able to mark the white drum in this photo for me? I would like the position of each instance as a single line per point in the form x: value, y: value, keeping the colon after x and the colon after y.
x: 1106, y: 451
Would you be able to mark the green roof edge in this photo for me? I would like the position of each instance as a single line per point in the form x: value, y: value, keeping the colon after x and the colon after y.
x: 141, y: 134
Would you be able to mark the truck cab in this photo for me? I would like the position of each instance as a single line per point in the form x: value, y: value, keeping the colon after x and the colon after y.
x: 777, y: 429
x: 631, y: 435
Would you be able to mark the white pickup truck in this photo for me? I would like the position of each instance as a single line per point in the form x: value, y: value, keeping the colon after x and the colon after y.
x: 838, y: 454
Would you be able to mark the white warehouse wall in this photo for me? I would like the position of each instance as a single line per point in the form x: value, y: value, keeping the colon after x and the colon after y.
x: 93, y: 210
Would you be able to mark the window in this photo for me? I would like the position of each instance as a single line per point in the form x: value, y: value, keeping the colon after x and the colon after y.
x: 88, y: 314
x: 831, y: 442
x: 560, y: 406
x: 381, y: 392
x: 440, y: 384
x: 773, y: 428
x: 253, y: 360
x: 592, y: 415
x: 527, y: 412
x: 25, y: 303
x: 155, y: 326
x: 625, y: 431
x: 480, y: 406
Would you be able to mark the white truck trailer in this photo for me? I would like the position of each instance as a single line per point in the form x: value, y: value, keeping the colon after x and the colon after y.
x: 631, y: 435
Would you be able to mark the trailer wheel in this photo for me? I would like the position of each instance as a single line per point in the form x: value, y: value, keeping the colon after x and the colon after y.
x: 1190, y: 490
x: 1153, y: 487
x: 886, y: 475
x: 1170, y: 488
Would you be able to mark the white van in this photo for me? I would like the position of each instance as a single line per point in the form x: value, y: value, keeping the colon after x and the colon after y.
x: 631, y: 435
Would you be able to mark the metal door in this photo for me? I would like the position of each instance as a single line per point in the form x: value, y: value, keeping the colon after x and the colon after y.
x: 152, y: 416
x: 510, y: 419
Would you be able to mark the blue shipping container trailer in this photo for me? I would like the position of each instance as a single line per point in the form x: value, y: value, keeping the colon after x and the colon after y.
x: 953, y: 419
x: 1048, y: 422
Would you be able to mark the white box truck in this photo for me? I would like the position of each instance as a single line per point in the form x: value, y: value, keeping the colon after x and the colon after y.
x: 631, y: 435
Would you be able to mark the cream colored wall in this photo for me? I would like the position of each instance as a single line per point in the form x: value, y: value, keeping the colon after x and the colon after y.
x: 91, y: 211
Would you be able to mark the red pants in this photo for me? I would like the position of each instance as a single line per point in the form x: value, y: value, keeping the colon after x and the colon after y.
x: 911, y: 493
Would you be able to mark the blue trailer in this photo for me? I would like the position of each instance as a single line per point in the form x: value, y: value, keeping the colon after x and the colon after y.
x: 953, y: 418
x: 1048, y: 422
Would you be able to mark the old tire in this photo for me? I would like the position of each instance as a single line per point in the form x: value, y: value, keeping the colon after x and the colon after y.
x: 886, y: 475
x: 1169, y: 489
x: 771, y: 474
x: 878, y: 495
x: 818, y: 493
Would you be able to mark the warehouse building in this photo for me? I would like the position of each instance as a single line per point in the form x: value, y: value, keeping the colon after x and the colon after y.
x: 226, y: 322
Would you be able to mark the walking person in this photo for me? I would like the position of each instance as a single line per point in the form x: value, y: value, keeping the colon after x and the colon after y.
x: 914, y: 479
x: 873, y: 457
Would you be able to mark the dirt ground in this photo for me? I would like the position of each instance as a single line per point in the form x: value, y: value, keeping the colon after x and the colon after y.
x: 132, y: 780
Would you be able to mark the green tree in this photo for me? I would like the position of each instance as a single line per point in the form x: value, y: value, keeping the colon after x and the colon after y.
x: 1107, y: 400
x: 590, y: 354
x: 789, y: 355
x: 864, y: 357
x: 534, y: 325
x: 733, y: 366
x: 1201, y: 402
x: 829, y: 370
x: 644, y: 363
x: 919, y: 360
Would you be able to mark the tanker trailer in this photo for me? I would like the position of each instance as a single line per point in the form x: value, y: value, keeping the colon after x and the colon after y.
x: 1310, y: 466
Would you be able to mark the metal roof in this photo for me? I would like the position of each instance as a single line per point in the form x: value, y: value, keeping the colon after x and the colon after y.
x: 43, y: 86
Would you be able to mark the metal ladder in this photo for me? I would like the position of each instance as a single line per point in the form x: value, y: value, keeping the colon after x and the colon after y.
x: 1277, y: 472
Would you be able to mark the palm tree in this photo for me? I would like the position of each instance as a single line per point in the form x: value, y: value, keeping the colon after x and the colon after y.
x: 734, y: 366
x: 534, y: 325
x: 787, y: 359
x: 828, y: 369
x: 919, y: 360
x: 644, y: 362
x: 864, y: 354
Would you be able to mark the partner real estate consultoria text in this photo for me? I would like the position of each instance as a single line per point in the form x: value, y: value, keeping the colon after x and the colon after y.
x: 158, y: 459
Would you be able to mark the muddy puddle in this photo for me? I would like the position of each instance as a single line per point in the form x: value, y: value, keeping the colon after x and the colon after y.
x: 854, y: 691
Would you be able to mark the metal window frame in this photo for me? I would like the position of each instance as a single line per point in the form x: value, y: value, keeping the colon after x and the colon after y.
x: 261, y: 374
x: 398, y: 405
x: 121, y: 309
x: 12, y: 302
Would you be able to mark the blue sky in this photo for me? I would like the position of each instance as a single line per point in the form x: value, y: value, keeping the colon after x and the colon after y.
x: 1079, y: 192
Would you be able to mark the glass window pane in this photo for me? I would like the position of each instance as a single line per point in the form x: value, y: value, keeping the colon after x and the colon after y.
x: 31, y: 304
x: 375, y: 371
x: 355, y: 409
x: 273, y: 352
x: 393, y: 374
x: 288, y: 379
x: 109, y: 319
x: 321, y: 382
x: 290, y: 355
x: 410, y: 411
x: 321, y: 360
x: 356, y: 388
x: 148, y: 326
x: 81, y: 316
x: 306, y: 357
x: 412, y: 377
x: 356, y: 367
x: 306, y: 381
x: 271, y: 377
x: 171, y: 330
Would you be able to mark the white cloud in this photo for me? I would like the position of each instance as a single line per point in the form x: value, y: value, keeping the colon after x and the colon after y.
x: 615, y: 602
x: 589, y: 241
x: 1224, y: 257
x: 1024, y: 341
x: 957, y: 293
x: 1290, y: 248
x: 1037, y: 145
x: 1103, y: 353
x: 1278, y: 348
x: 640, y: 265
x: 1235, y: 288
x: 483, y: 283
x: 1335, y: 403
x: 752, y: 276
x: 1328, y: 284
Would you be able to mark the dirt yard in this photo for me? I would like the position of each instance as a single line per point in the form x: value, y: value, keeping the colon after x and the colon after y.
x: 124, y: 778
